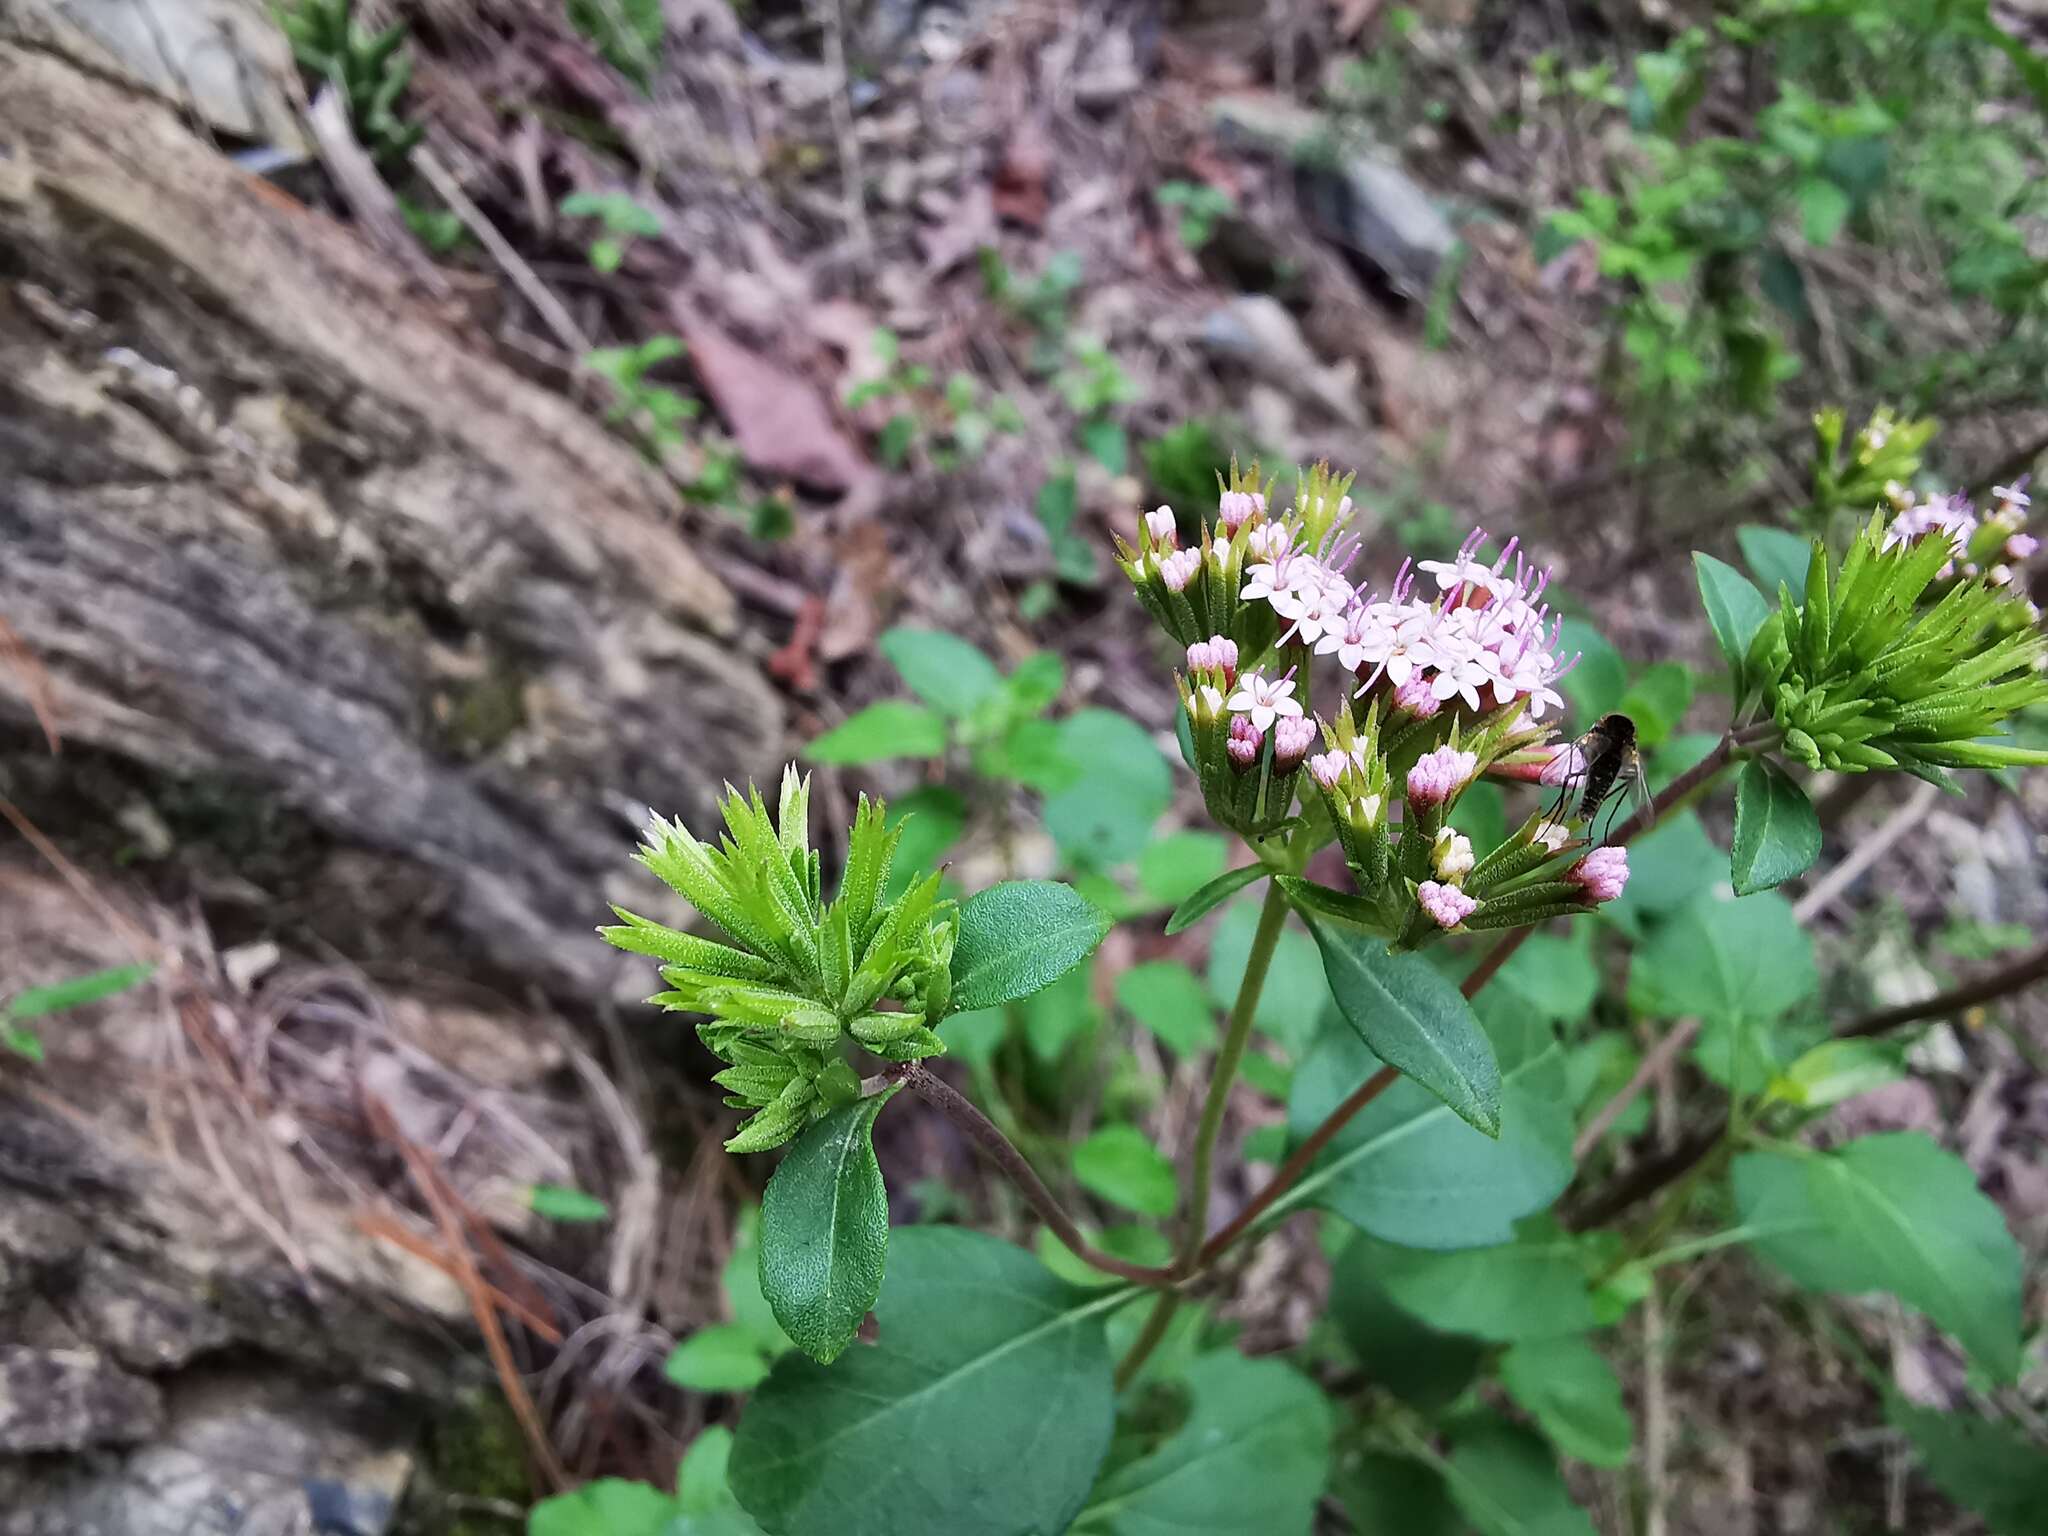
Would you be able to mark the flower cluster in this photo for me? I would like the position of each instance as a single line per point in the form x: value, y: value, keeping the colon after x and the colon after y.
x: 1449, y: 673
x: 799, y: 975
x: 1988, y: 546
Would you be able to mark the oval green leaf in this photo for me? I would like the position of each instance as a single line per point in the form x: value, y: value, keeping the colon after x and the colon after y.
x: 1250, y: 1460
x: 726, y: 1358
x: 1734, y: 607
x: 1020, y: 936
x: 1775, y: 557
x: 1408, y: 1170
x: 1729, y: 962
x: 982, y: 1356
x: 1892, y: 1213
x: 1213, y: 895
x: 1568, y: 1387
x: 1531, y: 1289
x: 1170, y: 1000
x: 825, y: 1231
x: 1777, y: 833
x: 893, y: 728
x: 1121, y: 1166
x: 948, y: 673
x: 1414, y: 1020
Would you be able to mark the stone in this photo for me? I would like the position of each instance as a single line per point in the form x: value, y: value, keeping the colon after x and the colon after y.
x: 68, y: 1399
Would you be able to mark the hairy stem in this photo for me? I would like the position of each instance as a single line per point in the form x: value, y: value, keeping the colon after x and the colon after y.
x: 985, y: 1134
x: 1296, y: 1165
x: 1272, y: 918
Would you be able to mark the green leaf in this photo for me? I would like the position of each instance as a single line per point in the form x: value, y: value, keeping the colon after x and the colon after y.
x: 1396, y: 1496
x: 1398, y: 1351
x: 1598, y: 682
x: 1170, y: 1000
x: 890, y: 729
x: 1982, y: 1464
x: 1035, y: 683
x: 1121, y: 1166
x: 1534, y: 1288
x: 741, y: 1281
x: 1414, y: 1019
x: 24, y: 1043
x: 610, y: 1506
x: 1775, y: 558
x: 1892, y: 1213
x: 1137, y: 1244
x: 726, y: 1358
x: 932, y: 818
x: 1568, y: 1387
x: 1729, y: 962
x: 1408, y: 1170
x: 1174, y: 867
x: 1507, y: 1483
x: 1105, y: 816
x: 1211, y: 896
x: 1104, y: 442
x: 1295, y: 997
x: 1251, y: 1460
x: 75, y: 993
x: 1553, y: 978
x: 1823, y: 208
x: 1777, y: 833
x: 948, y: 673
x: 1734, y: 607
x: 984, y: 1409
x: 825, y: 1231
x: 1668, y: 867
x: 1020, y: 936
x: 558, y: 1203
x: 1836, y: 1070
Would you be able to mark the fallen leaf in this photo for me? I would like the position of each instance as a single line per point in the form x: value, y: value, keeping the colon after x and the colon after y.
x: 779, y: 421
x: 1020, y: 193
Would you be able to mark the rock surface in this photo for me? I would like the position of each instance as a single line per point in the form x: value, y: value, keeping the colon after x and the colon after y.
x: 305, y: 567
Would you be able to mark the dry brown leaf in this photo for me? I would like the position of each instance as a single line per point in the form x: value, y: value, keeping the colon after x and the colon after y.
x: 778, y: 420
x: 1020, y: 193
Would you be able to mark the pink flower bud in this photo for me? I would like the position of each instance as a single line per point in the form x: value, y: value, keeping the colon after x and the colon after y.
x: 1201, y: 658
x: 1292, y: 737
x: 1238, y: 508
x: 1164, y: 530
x: 1602, y: 874
x: 1439, y: 775
x: 1451, y: 856
x: 1245, y: 741
x: 1225, y: 652
x: 1446, y: 905
x: 2021, y: 546
x: 1416, y: 698
x: 1327, y: 768
x: 1268, y: 542
x: 1177, y: 570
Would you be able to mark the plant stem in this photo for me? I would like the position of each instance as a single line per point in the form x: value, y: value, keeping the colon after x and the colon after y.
x: 1647, y: 1178
x: 1272, y: 918
x: 1296, y: 1165
x: 985, y: 1134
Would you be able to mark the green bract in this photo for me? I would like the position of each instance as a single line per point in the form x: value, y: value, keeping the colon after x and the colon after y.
x: 799, y: 975
x: 1859, y: 675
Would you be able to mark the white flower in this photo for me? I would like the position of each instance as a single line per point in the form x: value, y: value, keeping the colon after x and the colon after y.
x: 2012, y: 496
x: 1266, y: 699
x: 1161, y: 525
x: 1551, y: 836
x: 1269, y: 541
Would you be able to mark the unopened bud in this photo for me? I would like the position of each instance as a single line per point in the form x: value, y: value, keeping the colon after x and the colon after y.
x: 1238, y: 508
x: 1245, y: 741
x: 1292, y: 737
x: 1602, y: 874
x: 1414, y: 698
x: 1327, y: 768
x: 1446, y: 905
x: 1439, y: 775
x: 1180, y: 568
x: 1165, y: 531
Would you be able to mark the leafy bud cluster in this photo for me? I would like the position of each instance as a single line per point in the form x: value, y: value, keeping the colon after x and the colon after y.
x: 800, y: 976
x: 1863, y: 671
x: 1882, y: 457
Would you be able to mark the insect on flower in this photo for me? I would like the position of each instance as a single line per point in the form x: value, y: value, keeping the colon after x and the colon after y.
x: 1607, y: 761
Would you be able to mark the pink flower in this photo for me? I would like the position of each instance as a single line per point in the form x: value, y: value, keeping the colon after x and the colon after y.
x: 1439, y: 775
x: 2014, y: 495
x: 1947, y: 515
x: 1238, y: 508
x: 2021, y: 546
x: 1416, y: 698
x: 1602, y: 874
x: 1177, y: 570
x: 1451, y: 856
x: 1446, y: 905
x: 1327, y: 768
x: 1292, y: 737
x: 1164, y: 529
x: 1243, y: 746
x: 1265, y: 699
